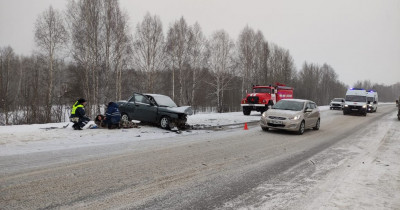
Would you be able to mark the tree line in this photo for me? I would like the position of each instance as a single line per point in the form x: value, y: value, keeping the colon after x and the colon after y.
x: 90, y: 51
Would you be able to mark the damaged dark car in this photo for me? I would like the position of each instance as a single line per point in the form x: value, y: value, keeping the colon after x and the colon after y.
x: 155, y: 108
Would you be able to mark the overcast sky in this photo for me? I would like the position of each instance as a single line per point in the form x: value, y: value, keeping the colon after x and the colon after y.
x: 360, y: 39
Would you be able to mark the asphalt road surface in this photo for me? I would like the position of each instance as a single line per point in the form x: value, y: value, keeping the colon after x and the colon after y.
x: 216, y: 170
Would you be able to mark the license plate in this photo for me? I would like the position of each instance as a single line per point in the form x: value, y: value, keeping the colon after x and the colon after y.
x: 277, y: 122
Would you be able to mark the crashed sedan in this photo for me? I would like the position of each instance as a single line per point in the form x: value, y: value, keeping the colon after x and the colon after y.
x: 155, y: 108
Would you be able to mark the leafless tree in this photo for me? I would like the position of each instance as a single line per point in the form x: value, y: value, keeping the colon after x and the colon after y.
x: 221, y: 64
x: 148, y: 52
x: 199, y: 56
x: 246, y: 52
x: 50, y: 36
x: 178, y: 46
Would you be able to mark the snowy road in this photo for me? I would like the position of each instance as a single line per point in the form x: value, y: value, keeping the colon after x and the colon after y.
x: 350, y: 163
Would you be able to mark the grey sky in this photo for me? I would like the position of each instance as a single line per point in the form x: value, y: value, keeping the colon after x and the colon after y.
x: 360, y: 39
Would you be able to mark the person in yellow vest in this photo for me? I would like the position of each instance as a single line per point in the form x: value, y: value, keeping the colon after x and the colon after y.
x: 78, y: 116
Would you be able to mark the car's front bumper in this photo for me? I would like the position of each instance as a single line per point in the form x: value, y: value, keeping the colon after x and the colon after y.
x: 290, y: 125
x: 354, y: 109
x: 336, y: 106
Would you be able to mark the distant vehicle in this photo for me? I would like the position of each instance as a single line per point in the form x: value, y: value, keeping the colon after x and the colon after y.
x: 372, y: 100
x: 264, y: 96
x: 154, y: 108
x: 292, y: 115
x: 355, y: 101
x: 398, y: 107
x: 337, y: 103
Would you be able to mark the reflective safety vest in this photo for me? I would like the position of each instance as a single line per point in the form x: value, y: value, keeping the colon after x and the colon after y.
x: 75, y: 106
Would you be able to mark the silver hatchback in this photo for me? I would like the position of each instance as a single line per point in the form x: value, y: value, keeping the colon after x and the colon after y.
x: 293, y: 115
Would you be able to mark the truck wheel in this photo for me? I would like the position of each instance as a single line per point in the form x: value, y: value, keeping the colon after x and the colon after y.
x: 164, y: 122
x: 317, y: 125
x: 125, y: 117
x: 301, y: 128
x: 246, y: 111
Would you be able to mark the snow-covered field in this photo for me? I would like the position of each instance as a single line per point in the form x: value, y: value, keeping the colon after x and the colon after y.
x: 19, y: 139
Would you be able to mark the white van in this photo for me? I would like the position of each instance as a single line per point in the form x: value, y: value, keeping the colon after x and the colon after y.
x: 355, y: 101
x: 372, y: 100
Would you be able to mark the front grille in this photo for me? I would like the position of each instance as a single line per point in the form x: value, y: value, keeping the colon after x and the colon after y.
x: 276, y: 125
x: 336, y: 105
x: 354, y: 107
x: 252, y: 99
x: 277, y: 118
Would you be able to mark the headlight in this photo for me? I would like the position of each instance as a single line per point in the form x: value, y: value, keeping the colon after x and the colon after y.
x: 346, y: 105
x: 295, y: 117
x: 264, y: 114
x: 364, y: 106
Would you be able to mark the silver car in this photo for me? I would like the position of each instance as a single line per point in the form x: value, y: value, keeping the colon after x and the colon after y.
x: 293, y: 115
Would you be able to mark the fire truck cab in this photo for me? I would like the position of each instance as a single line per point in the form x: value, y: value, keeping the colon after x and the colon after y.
x: 264, y: 96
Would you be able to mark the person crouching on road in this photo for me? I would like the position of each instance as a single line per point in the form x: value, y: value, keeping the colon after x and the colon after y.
x: 78, y: 116
x: 113, y: 116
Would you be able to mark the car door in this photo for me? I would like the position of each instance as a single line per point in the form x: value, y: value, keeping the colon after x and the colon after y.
x: 314, y: 114
x: 144, y: 109
x: 129, y: 108
x: 307, y: 115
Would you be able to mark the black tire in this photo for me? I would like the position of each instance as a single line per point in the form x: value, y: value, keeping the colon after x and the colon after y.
x: 302, y: 128
x: 265, y: 128
x: 317, y: 125
x: 125, y: 117
x: 164, y: 122
x: 246, y: 111
x: 365, y: 114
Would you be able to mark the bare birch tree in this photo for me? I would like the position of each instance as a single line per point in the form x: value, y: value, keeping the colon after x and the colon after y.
x: 246, y: 53
x: 221, y: 64
x: 50, y: 37
x: 199, y: 56
x: 178, y: 46
x: 149, y: 49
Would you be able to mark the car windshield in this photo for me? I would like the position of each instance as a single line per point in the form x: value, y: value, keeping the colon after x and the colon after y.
x: 262, y: 90
x: 164, y: 101
x: 356, y: 98
x: 337, y: 100
x: 289, y: 105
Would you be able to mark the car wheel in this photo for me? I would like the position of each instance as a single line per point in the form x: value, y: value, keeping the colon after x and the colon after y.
x: 301, y: 128
x: 246, y: 111
x: 265, y: 128
x: 125, y: 117
x: 164, y: 122
x: 317, y: 125
x: 365, y: 113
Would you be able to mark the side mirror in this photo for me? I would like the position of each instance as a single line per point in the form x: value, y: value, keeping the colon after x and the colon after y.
x: 308, y: 110
x: 368, y: 102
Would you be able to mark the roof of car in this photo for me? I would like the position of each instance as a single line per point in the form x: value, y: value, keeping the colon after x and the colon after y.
x: 151, y: 94
x: 298, y: 100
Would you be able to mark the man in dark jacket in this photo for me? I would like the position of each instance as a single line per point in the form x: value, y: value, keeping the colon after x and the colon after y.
x: 78, y: 116
x: 113, y: 116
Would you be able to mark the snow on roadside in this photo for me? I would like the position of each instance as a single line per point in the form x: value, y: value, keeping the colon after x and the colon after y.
x: 20, y: 139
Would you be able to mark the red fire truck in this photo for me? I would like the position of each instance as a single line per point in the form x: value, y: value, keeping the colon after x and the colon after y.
x: 264, y: 96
